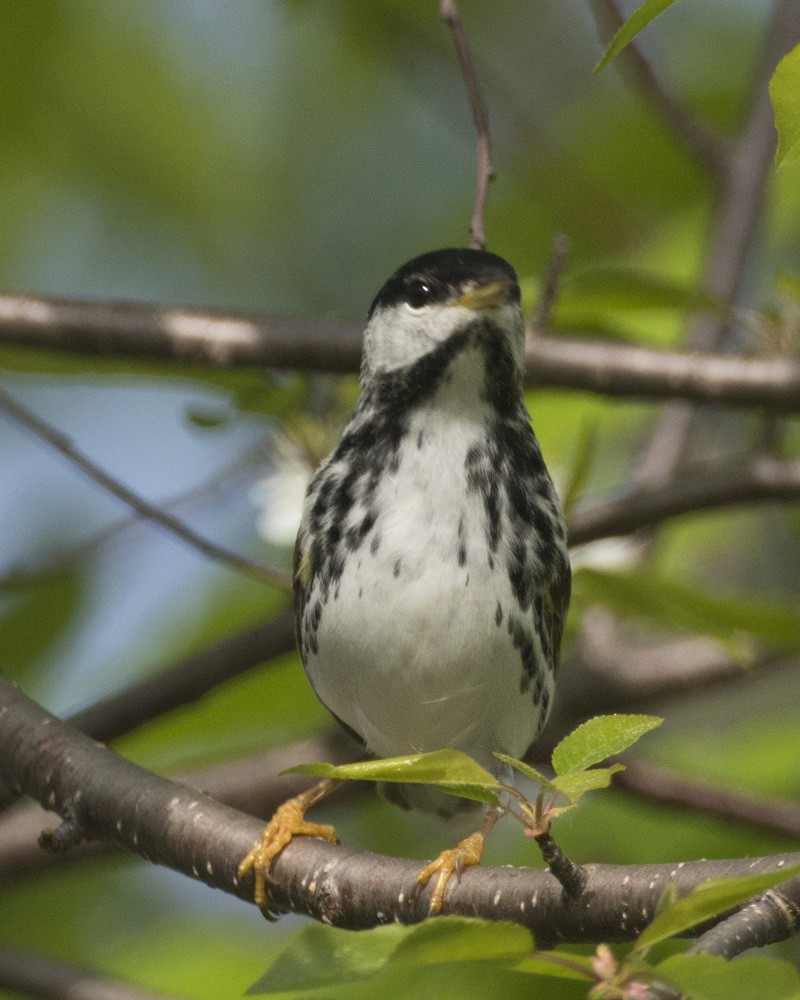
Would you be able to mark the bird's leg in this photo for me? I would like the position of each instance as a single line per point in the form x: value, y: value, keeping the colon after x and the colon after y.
x: 468, y: 852
x: 287, y: 822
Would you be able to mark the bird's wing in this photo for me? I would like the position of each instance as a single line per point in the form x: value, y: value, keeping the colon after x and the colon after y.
x: 301, y: 577
x: 555, y: 594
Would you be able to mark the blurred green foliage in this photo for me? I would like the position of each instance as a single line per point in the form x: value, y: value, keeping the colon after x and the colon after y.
x: 286, y: 156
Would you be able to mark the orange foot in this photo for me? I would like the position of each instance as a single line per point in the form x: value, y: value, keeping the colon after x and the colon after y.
x: 288, y: 821
x: 468, y: 852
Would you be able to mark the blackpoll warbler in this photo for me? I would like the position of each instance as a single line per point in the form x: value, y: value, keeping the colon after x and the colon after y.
x: 431, y: 570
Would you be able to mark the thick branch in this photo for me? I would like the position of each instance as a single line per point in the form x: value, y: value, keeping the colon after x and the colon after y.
x: 252, y: 784
x: 625, y: 370
x: 182, y: 682
x: 224, y: 341
x: 191, y: 336
x: 167, y: 823
x: 773, y: 917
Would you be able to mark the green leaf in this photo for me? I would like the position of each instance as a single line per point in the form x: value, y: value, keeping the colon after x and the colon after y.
x: 463, y: 939
x: 639, y: 19
x: 323, y: 956
x: 784, y: 92
x: 600, y: 738
x: 327, y: 959
x: 546, y: 963
x: 708, y: 900
x: 527, y: 770
x: 728, y: 619
x: 452, y: 771
x: 750, y: 977
x: 575, y: 784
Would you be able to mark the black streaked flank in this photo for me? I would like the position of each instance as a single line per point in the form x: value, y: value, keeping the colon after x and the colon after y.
x: 369, y: 448
x: 522, y: 636
x: 462, y: 542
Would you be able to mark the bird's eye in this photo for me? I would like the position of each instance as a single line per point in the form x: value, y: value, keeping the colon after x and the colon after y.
x: 420, y: 293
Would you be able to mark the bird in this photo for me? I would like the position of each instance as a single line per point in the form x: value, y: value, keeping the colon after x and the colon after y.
x: 431, y: 573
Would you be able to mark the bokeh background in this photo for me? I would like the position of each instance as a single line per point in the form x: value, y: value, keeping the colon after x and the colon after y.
x: 285, y: 157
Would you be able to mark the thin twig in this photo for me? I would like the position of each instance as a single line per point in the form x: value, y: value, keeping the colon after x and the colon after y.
x: 21, y: 577
x: 448, y: 11
x: 62, y: 444
x: 696, y: 138
x: 573, y: 878
x: 555, y: 268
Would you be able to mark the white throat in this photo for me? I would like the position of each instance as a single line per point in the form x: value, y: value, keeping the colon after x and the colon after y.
x: 398, y: 336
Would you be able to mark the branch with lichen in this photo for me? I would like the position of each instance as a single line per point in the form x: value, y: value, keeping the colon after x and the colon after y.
x: 105, y: 797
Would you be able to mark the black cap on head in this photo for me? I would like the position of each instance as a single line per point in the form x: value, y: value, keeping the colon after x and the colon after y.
x: 442, y: 275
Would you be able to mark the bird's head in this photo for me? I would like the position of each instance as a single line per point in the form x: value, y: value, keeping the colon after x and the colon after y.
x: 436, y: 296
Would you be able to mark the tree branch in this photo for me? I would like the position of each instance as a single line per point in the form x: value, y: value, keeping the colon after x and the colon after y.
x: 112, y: 799
x: 21, y: 577
x: 735, y: 220
x: 656, y: 784
x: 448, y: 11
x: 761, y: 478
x: 638, y: 372
x: 772, y: 917
x: 181, y: 682
x: 607, y: 671
x: 186, y: 680
x: 217, y: 340
x: 552, y: 277
x: 253, y: 784
x: 45, y: 979
x: 188, y: 336
x: 62, y: 444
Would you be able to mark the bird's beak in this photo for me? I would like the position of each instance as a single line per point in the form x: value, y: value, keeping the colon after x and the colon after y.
x: 489, y: 296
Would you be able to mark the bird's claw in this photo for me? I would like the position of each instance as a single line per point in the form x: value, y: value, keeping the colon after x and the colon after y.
x: 288, y: 822
x: 449, y: 863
